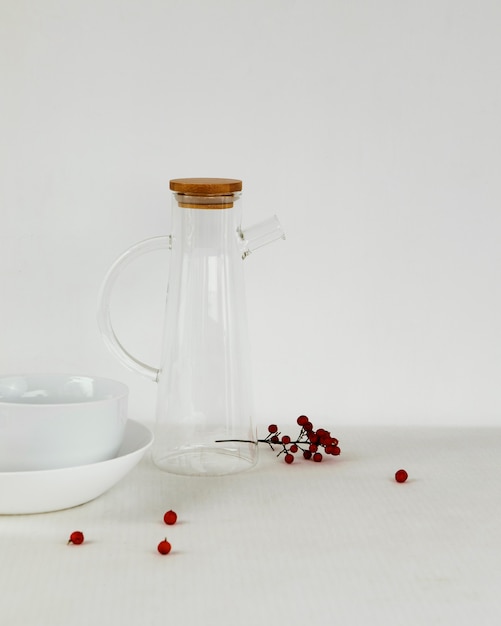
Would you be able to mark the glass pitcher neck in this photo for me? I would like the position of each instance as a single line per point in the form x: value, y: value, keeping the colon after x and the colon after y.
x: 205, y: 211
x: 200, y: 229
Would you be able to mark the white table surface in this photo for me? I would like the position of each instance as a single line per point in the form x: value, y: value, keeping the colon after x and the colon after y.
x: 337, y: 542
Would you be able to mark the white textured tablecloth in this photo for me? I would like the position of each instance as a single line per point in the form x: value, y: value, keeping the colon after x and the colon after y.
x: 337, y: 542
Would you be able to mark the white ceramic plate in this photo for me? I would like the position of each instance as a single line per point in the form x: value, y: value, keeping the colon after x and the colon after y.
x: 51, y: 490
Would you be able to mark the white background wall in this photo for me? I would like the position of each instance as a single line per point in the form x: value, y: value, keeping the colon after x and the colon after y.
x: 372, y: 128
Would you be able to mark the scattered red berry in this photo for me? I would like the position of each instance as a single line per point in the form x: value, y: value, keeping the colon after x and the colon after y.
x: 302, y: 420
x: 289, y: 458
x: 317, y: 457
x: 272, y: 428
x: 76, y: 537
x: 170, y: 517
x: 286, y: 439
x: 164, y: 547
x: 401, y: 476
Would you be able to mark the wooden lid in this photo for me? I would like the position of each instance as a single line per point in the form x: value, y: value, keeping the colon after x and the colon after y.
x: 205, y: 186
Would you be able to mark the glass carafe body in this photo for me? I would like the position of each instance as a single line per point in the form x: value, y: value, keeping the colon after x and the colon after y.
x: 204, y: 415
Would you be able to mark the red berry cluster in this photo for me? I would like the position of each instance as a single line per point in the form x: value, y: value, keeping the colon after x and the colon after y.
x: 309, y: 441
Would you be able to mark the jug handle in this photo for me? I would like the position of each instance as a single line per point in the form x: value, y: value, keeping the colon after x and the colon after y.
x: 104, y: 316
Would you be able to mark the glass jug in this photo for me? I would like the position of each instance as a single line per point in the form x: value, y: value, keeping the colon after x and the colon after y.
x: 204, y: 416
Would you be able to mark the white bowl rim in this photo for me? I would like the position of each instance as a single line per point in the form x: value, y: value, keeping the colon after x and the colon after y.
x: 118, y: 389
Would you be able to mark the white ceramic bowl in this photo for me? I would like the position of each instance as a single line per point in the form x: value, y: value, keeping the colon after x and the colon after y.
x: 53, y: 490
x: 49, y: 421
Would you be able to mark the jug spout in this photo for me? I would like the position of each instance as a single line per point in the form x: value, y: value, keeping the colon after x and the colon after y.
x: 260, y: 234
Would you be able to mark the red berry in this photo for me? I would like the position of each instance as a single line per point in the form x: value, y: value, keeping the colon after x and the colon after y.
x: 313, y: 447
x: 170, y: 517
x: 76, y: 537
x: 332, y: 449
x: 272, y: 428
x: 317, y: 457
x: 302, y: 420
x: 293, y: 448
x: 307, y: 454
x: 286, y: 439
x: 308, y: 426
x: 164, y: 547
x: 274, y: 439
x: 401, y: 476
x: 289, y: 458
